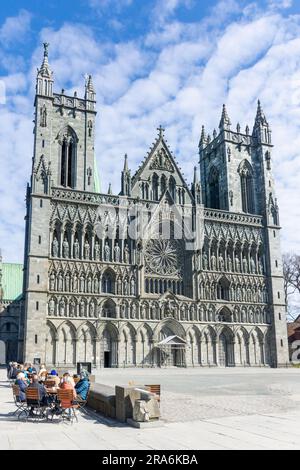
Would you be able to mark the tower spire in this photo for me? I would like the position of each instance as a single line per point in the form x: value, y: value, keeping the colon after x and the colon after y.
x: 125, y: 178
x: 90, y: 93
x: 261, y: 128
x: 44, y: 79
x: 202, y: 141
x: 225, y: 121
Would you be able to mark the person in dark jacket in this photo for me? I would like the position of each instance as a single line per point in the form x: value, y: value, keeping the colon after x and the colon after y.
x: 42, y: 390
x: 22, y: 384
x: 82, y: 387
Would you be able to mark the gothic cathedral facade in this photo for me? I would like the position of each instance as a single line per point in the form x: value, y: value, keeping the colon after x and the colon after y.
x: 162, y: 273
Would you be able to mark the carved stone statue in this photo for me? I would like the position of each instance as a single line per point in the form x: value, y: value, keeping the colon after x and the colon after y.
x: 133, y: 311
x: 89, y: 285
x: 132, y: 286
x: 87, y: 250
x: 67, y: 279
x: 229, y: 263
x: 62, y: 307
x: 51, y: 307
x: 75, y: 283
x: 245, y: 265
x: 237, y: 264
x: 260, y: 267
x: 205, y: 260
x: 221, y: 262
x: 95, y: 285
x: 60, y: 282
x: 106, y: 252
x: 117, y: 253
x: 71, y: 309
x: 213, y: 262
x: 92, y: 309
x: 52, y: 281
x: 76, y: 249
x: 43, y: 116
x: 82, y: 283
x: 119, y: 286
x: 97, y: 251
x: 66, y: 253
x: 55, y: 247
x: 126, y: 254
x: 81, y: 308
x: 125, y: 287
x: 252, y: 265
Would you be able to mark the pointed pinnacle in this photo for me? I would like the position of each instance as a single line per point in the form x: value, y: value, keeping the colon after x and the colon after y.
x: 109, y: 189
x: 225, y: 121
x: 125, y: 163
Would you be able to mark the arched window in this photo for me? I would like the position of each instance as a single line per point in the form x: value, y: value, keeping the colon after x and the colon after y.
x: 223, y: 289
x: 108, y: 282
x: 109, y: 309
x: 68, y: 141
x: 172, y: 188
x: 163, y: 184
x: 214, y: 193
x: 155, y: 187
x: 246, y: 175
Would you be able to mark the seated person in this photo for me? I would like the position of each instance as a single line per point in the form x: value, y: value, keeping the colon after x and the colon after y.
x: 67, y: 374
x: 54, y: 376
x: 40, y: 387
x: 22, y: 384
x: 68, y: 383
x: 14, y: 370
x: 82, y: 387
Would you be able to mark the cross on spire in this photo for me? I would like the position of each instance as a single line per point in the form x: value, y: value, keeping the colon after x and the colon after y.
x: 46, y: 45
x: 161, y: 131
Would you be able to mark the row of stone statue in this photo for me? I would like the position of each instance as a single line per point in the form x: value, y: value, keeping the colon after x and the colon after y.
x: 232, y: 264
x: 236, y: 293
x: 84, y: 309
x: 109, y: 254
x: 92, y: 284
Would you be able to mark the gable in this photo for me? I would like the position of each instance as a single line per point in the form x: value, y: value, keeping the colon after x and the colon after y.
x: 161, y: 164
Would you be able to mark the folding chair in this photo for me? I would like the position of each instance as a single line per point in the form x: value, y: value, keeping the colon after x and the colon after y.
x: 33, y: 403
x: 16, y: 394
x: 82, y: 403
x: 66, y: 401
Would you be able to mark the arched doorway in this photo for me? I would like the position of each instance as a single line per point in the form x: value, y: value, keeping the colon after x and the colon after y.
x: 2, y: 352
x: 225, y: 349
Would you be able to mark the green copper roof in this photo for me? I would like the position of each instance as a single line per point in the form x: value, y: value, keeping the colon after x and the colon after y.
x: 96, y: 177
x: 12, y: 280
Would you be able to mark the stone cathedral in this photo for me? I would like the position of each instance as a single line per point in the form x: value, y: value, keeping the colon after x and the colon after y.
x: 163, y: 273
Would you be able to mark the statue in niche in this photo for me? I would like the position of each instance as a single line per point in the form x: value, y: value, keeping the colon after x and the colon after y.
x: 75, y: 283
x: 60, y: 282
x: 62, y: 307
x: 82, y: 308
x: 89, y: 285
x: 260, y: 267
x: 252, y: 265
x: 192, y: 312
x: 213, y: 262
x: 238, y: 294
x: 43, y: 116
x: 92, y: 309
x: 229, y: 263
x: 205, y: 260
x: 67, y: 282
x: 97, y: 251
x: 125, y: 287
x: 71, y: 309
x: 106, y: 252
x: 55, y: 247
x: 87, y: 250
x: 139, y: 254
x: 132, y: 286
x: 221, y: 262
x: 133, y: 311
x: 65, y: 248
x: 245, y: 265
x: 95, y: 285
x: 52, y: 281
x: 117, y: 253
x: 51, y: 307
x: 82, y: 283
x: 237, y: 264
x: 126, y: 254
x: 122, y: 311
x: 119, y: 286
x: 76, y: 249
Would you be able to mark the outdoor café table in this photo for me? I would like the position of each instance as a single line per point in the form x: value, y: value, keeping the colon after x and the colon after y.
x: 52, y: 390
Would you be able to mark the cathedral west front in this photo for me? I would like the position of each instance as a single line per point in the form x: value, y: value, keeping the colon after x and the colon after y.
x: 163, y: 273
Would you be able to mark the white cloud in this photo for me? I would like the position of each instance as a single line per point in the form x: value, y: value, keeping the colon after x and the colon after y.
x: 15, y: 28
x: 177, y: 75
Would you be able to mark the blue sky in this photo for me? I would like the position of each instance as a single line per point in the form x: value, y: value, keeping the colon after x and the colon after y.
x: 171, y: 62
